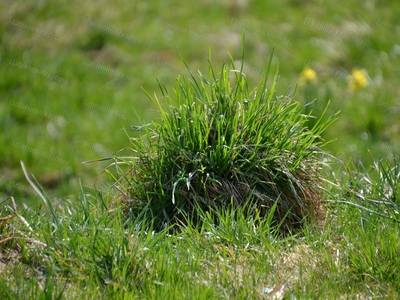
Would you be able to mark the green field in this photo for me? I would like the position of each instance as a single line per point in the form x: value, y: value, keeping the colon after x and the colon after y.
x: 73, y: 83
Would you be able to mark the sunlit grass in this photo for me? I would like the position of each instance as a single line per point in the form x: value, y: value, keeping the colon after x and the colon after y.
x: 85, y: 248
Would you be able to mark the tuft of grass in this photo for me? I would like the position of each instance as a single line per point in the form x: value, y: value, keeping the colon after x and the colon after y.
x: 218, y: 143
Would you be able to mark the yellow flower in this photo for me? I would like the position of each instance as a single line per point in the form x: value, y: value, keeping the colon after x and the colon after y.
x: 308, y: 76
x: 357, y: 79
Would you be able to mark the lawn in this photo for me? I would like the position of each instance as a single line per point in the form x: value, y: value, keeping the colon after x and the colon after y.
x: 74, y: 77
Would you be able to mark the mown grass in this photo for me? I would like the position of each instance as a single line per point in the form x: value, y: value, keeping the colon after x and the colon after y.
x: 83, y: 248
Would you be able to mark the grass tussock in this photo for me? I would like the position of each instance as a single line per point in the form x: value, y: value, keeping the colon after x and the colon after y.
x: 219, y: 143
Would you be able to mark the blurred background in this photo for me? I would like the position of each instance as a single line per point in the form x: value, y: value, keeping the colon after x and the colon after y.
x: 72, y: 75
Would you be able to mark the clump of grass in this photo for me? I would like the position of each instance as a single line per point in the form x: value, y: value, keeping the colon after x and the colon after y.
x: 218, y: 143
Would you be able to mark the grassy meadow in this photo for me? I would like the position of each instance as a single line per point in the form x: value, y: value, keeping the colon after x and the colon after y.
x: 76, y: 78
